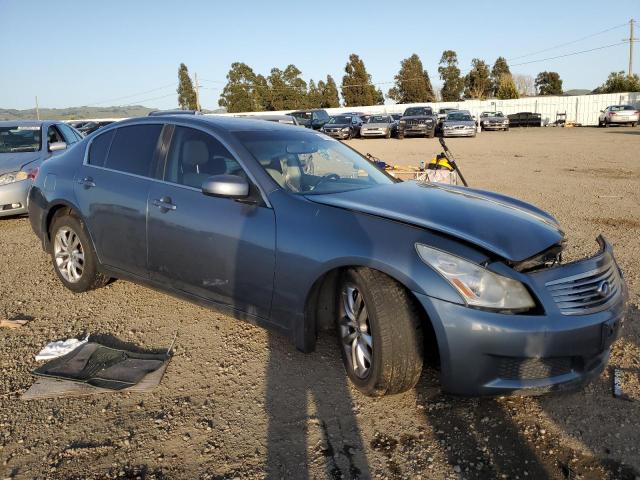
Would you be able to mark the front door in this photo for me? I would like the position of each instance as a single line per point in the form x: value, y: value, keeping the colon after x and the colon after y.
x: 219, y: 249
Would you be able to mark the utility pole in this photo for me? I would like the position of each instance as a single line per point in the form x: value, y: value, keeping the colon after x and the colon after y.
x: 37, y: 109
x: 195, y: 82
x: 631, y: 41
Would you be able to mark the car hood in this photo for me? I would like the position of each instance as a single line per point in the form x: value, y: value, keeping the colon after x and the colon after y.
x: 453, y: 123
x: 418, y: 117
x: 507, y: 227
x: 494, y: 119
x: 13, y: 162
x: 336, y: 125
x: 376, y: 125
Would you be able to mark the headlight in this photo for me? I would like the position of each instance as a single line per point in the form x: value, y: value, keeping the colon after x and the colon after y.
x: 477, y: 286
x: 402, y: 122
x: 13, y: 177
x: 345, y: 129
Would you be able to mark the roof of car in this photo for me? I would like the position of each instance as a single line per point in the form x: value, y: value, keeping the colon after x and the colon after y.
x: 224, y: 122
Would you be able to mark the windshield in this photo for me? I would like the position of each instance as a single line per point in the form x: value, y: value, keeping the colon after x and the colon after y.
x: 304, y: 118
x: 446, y: 110
x: 378, y: 119
x: 15, y: 139
x: 340, y: 119
x: 311, y: 163
x: 415, y: 111
x: 618, y: 108
x: 492, y: 114
x: 459, y: 117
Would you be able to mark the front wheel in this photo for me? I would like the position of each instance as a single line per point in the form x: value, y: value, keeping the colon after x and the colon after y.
x: 74, y: 259
x: 380, y: 333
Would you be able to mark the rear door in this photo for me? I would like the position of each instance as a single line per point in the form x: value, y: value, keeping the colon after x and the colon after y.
x: 112, y: 188
x: 219, y: 249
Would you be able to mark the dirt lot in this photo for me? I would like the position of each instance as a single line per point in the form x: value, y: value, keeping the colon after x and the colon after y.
x: 239, y: 402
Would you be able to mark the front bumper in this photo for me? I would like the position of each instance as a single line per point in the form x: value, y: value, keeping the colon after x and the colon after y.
x: 421, y: 129
x: 489, y: 353
x: 459, y: 132
x: 489, y: 126
x: 339, y: 134
x: 14, y: 198
x: 373, y: 133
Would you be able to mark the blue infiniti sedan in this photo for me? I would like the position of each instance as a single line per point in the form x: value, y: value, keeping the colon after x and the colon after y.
x: 24, y: 145
x: 292, y: 230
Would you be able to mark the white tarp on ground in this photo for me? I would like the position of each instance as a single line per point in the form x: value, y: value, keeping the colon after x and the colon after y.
x: 583, y: 109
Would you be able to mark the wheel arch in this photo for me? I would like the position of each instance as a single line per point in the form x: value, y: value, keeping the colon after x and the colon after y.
x: 59, y: 208
x: 320, y: 306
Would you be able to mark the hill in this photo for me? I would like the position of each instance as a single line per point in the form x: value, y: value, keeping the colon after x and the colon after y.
x: 74, y: 113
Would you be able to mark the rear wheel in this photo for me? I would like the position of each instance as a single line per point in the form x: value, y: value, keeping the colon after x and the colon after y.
x: 380, y: 333
x: 74, y: 259
x: 633, y: 124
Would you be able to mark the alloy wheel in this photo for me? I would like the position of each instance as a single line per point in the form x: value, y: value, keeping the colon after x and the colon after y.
x: 69, y: 254
x: 355, y: 331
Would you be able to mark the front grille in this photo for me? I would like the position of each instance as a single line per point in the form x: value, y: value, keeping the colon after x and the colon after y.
x: 510, y: 368
x: 416, y: 122
x: 587, y: 292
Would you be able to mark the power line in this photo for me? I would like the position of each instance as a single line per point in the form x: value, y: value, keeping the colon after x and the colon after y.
x: 138, y: 102
x: 569, y: 54
x: 133, y: 95
x: 568, y: 43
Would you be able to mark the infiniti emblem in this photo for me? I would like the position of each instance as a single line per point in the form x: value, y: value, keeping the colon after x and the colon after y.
x: 603, y: 289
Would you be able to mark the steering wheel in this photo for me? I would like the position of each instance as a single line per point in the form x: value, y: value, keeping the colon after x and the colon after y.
x: 329, y: 176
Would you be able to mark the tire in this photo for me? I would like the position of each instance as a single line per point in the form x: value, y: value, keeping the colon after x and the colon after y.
x: 633, y: 124
x: 606, y: 124
x: 388, y: 134
x: 400, y: 136
x: 81, y: 272
x: 390, y: 334
x: 431, y: 134
x: 600, y: 125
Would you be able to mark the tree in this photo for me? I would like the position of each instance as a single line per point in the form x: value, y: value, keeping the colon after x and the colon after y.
x: 243, y: 91
x: 186, y: 94
x: 357, y: 89
x: 549, y: 83
x: 286, y: 90
x: 620, y: 82
x: 412, y: 83
x: 500, y: 68
x: 478, y: 81
x: 330, y: 98
x: 450, y: 74
x: 314, y: 94
x: 525, y: 85
x: 507, y: 88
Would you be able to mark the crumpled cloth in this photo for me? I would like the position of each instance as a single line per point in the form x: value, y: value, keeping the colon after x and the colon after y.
x: 60, y: 348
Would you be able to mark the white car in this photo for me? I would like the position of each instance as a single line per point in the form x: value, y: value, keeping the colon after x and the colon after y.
x: 618, y: 114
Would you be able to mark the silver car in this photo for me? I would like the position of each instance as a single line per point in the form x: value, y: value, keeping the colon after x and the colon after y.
x: 493, y: 121
x: 379, y: 126
x: 459, y: 124
x: 618, y: 114
x: 24, y: 145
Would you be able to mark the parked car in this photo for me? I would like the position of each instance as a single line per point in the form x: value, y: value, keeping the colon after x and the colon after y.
x: 24, y: 145
x: 379, y: 126
x: 525, y: 119
x: 314, y: 119
x: 442, y: 114
x: 459, y: 123
x: 91, y: 127
x: 285, y: 119
x: 221, y: 211
x: 417, y: 121
x: 77, y: 124
x: 343, y: 126
x: 493, y: 121
x: 619, y: 115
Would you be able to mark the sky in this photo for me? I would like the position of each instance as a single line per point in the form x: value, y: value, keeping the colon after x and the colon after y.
x: 115, y: 52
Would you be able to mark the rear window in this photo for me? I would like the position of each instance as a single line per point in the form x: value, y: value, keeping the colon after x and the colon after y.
x: 618, y: 108
x: 99, y: 149
x: 133, y: 148
x: 414, y: 111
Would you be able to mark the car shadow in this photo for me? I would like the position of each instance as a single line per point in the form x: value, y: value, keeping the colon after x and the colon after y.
x: 312, y: 425
x: 625, y: 132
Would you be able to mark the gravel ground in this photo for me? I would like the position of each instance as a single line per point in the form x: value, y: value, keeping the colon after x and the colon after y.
x: 239, y: 402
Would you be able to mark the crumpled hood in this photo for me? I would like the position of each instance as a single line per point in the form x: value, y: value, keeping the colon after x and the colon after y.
x: 494, y: 119
x: 509, y: 228
x: 336, y: 125
x: 13, y: 162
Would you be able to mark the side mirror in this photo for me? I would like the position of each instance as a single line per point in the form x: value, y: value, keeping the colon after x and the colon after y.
x: 57, y: 146
x: 601, y: 111
x: 229, y: 186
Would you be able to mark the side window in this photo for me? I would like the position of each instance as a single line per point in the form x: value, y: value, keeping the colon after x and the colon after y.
x: 68, y: 134
x: 194, y: 156
x: 133, y: 149
x: 53, y: 135
x: 99, y: 149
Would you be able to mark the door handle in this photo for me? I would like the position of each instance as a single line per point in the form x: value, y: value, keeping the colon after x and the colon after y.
x: 164, y: 204
x: 87, y: 182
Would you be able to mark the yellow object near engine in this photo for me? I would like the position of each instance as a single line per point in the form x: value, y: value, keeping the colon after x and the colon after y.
x: 440, y: 162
